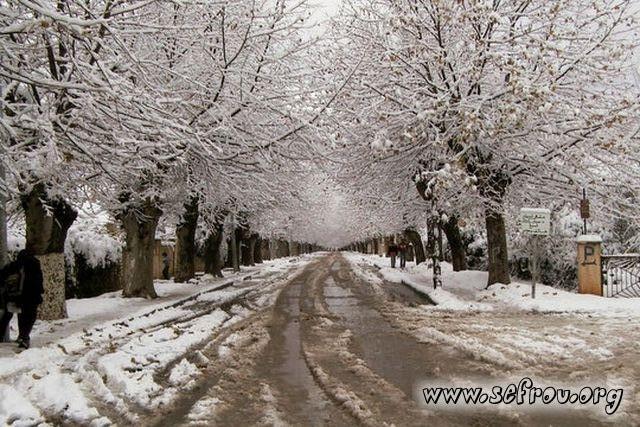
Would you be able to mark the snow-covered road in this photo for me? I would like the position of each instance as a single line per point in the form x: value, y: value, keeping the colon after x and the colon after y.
x: 111, y: 368
x: 320, y: 340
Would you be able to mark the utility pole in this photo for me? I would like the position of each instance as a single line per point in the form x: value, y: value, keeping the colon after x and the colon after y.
x: 584, y: 210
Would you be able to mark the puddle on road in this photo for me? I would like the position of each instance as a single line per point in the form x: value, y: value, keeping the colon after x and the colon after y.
x: 301, y: 398
x: 404, y: 362
x: 398, y: 292
x: 393, y: 355
x: 332, y: 290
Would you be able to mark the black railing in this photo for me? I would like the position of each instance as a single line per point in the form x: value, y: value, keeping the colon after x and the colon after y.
x: 621, y: 275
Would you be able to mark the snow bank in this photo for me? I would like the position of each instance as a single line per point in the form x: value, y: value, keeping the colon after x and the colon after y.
x: 550, y: 299
x: 131, y: 368
x: 203, y: 411
x: 15, y: 409
x: 183, y: 373
x: 457, y: 294
x: 59, y: 394
x: 465, y: 291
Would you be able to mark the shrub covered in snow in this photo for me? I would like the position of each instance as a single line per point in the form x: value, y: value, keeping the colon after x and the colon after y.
x: 97, y: 249
x: 15, y: 242
x: 90, y: 238
x: 93, y: 255
x: 476, y: 249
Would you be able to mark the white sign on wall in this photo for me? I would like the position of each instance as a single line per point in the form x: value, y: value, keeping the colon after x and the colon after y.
x: 535, y: 221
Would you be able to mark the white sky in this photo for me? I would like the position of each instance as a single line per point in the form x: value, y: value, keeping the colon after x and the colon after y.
x: 324, y: 9
x: 329, y: 6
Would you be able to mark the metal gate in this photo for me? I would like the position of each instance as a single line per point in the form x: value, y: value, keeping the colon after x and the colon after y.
x: 621, y: 276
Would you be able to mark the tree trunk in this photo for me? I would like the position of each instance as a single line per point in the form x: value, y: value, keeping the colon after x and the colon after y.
x: 47, y: 223
x: 248, y: 250
x: 212, y: 258
x: 46, y: 233
x: 416, y: 241
x: 139, y: 226
x: 185, y: 253
x: 235, y: 249
x: 295, y: 248
x: 282, y: 249
x: 228, y: 260
x: 440, y: 243
x: 273, y: 253
x: 265, y: 251
x: 432, y: 224
x: 4, y: 254
x: 497, y: 248
x: 257, y: 250
x: 456, y: 244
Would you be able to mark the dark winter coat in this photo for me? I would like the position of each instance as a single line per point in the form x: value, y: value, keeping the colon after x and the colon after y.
x: 393, y: 250
x: 32, y: 288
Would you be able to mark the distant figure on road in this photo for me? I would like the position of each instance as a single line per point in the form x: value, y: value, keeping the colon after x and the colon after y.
x: 402, y: 253
x: 165, y: 266
x: 393, y: 252
x: 22, y: 289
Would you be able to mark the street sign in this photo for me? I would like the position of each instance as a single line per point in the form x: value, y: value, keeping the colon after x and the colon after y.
x: 535, y: 221
x: 584, y: 209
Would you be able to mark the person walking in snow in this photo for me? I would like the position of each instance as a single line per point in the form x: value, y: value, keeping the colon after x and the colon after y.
x: 23, y: 289
x: 402, y: 253
x: 165, y: 266
x: 393, y: 252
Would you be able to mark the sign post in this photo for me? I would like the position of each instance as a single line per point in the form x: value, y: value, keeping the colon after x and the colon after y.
x: 537, y: 223
x: 585, y: 213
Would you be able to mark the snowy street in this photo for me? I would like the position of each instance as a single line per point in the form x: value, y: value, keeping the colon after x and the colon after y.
x: 123, y: 369
x: 318, y: 340
x: 320, y: 213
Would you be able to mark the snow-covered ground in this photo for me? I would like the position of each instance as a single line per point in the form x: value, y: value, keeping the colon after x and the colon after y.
x: 120, y: 356
x: 559, y: 337
x: 466, y: 290
x: 201, y: 348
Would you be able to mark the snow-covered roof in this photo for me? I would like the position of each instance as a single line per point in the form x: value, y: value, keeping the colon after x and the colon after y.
x: 589, y: 238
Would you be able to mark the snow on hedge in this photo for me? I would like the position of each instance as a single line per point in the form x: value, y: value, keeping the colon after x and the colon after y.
x: 97, y: 249
x: 15, y: 241
x: 88, y: 237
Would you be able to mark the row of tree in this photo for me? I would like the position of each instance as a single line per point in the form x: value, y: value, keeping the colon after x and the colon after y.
x: 404, y: 115
x: 189, y: 113
x: 485, y: 106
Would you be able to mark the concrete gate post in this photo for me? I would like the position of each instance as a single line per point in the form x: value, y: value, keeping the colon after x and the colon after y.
x: 589, y: 264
